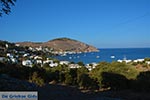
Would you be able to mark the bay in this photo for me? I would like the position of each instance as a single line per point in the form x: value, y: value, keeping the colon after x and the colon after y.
x: 108, y: 55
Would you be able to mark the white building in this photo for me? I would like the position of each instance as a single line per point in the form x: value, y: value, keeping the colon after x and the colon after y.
x: 17, y: 45
x: 30, y: 48
x: 47, y: 61
x: 39, y: 49
x: 64, y: 62
x: 148, y: 62
x: 53, y: 64
x: 50, y: 62
x: 26, y: 54
x: 91, y: 66
x: 138, y: 60
x: 6, y: 45
x: 9, y: 55
x: 119, y: 60
x: 39, y: 61
x: 74, y: 66
x: 127, y: 61
x: 14, y: 60
x: 37, y: 57
x: 27, y: 63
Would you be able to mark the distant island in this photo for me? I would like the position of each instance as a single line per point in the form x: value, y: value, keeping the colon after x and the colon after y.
x: 62, y: 45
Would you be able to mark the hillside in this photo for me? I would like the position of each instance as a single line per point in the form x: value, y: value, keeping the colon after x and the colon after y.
x: 62, y: 44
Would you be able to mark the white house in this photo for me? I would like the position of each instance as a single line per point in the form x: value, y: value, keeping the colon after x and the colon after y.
x: 32, y: 49
x: 50, y: 62
x: 6, y: 45
x: 53, y: 64
x: 64, y: 62
x: 74, y: 66
x: 9, y: 55
x: 39, y: 49
x: 17, y: 45
x: 47, y: 61
x: 119, y: 60
x: 37, y: 57
x: 94, y: 65
x: 26, y: 54
x: 127, y: 61
x: 14, y: 60
x: 88, y: 67
x: 148, y: 62
x: 91, y: 66
x: 138, y: 60
x: 39, y: 61
x: 27, y: 63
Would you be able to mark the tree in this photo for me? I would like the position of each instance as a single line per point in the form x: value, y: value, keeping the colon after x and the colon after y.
x: 80, y: 63
x: 5, y: 6
x: 87, y: 82
x: 114, y: 81
x: 36, y: 79
x: 124, y: 69
x: 73, y: 73
x: 68, y: 79
x: 80, y: 71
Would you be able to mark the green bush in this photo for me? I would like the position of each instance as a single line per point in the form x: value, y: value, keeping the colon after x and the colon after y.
x: 87, y: 82
x: 114, y: 81
x: 36, y: 79
x: 123, y: 69
x: 68, y: 79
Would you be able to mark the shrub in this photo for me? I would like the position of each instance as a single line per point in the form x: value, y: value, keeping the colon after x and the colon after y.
x: 36, y: 79
x: 114, y: 81
x: 68, y: 79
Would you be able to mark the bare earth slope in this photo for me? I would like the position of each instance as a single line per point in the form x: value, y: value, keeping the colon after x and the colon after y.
x: 62, y: 44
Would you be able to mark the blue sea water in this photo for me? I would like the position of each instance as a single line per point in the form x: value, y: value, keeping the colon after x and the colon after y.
x: 108, y: 55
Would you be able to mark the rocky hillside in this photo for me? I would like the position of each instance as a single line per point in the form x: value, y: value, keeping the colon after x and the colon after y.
x: 63, y: 44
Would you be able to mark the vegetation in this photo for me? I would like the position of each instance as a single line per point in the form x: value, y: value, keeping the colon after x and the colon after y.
x: 5, y: 6
x: 114, y: 76
x: 124, y: 69
x: 36, y: 79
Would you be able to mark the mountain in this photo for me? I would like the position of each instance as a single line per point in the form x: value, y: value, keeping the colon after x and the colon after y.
x: 62, y: 44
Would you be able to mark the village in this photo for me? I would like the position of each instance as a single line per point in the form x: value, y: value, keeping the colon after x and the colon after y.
x: 30, y: 56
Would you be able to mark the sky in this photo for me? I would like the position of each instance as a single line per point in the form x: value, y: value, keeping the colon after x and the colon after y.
x: 101, y: 23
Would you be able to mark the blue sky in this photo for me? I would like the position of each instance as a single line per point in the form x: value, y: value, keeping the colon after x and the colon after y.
x: 102, y: 23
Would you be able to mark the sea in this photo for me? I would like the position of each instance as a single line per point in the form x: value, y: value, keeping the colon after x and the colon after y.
x: 107, y: 55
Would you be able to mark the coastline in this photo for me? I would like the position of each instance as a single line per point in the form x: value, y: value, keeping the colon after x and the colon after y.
x: 107, y: 55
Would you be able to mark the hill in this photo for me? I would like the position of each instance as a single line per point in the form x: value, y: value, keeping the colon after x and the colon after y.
x: 62, y: 44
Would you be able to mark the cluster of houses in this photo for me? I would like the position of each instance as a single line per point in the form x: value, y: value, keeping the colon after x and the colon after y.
x: 29, y: 60
x: 137, y: 60
x: 39, y: 60
x: 91, y: 66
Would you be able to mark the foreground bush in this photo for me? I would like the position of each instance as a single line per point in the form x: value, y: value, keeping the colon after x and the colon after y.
x: 114, y: 81
x: 36, y: 79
